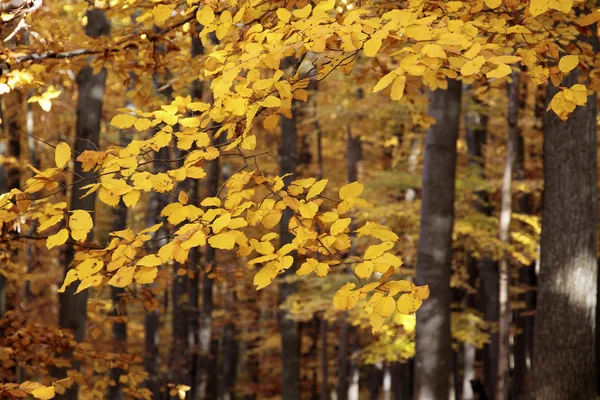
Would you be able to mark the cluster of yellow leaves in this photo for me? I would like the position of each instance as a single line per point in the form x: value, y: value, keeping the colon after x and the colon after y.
x: 565, y: 101
x: 35, y: 389
x: 382, y: 304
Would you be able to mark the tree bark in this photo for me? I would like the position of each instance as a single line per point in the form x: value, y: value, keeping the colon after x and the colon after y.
x: 290, y: 336
x: 563, y: 364
x: 119, y: 310
x: 152, y: 317
x: 433, y: 365
x: 73, y: 307
x: 504, y: 317
x: 208, y: 387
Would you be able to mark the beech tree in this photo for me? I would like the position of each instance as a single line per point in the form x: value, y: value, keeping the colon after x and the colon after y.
x: 227, y: 251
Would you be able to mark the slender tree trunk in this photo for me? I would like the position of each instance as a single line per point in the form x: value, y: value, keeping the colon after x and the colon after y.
x: 73, y: 307
x: 119, y: 310
x: 503, y: 385
x: 208, y: 387
x: 485, y: 269
x: 290, y: 336
x: 563, y: 363
x: 523, y: 317
x: 345, y: 369
x: 433, y: 366
x: 324, y: 361
x: 152, y: 317
x: 3, y: 189
x: 34, y: 160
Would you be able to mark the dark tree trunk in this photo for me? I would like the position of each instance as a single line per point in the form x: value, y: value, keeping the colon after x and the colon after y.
x: 523, y: 318
x: 433, y: 362
x: 563, y: 363
x: 485, y: 269
x: 119, y: 310
x: 504, y: 317
x: 73, y: 307
x: 403, y: 380
x: 290, y: 336
x: 209, y: 347
x: 152, y: 317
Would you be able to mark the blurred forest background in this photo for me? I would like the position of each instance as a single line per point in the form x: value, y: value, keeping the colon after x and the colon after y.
x: 464, y: 197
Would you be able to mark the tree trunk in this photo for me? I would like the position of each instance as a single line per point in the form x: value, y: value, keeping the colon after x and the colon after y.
x: 523, y: 318
x: 290, y: 337
x: 119, y: 310
x: 485, y: 269
x: 563, y: 365
x: 34, y: 160
x: 152, y: 317
x: 504, y: 317
x: 433, y: 365
x: 73, y: 307
x: 324, y: 361
x: 208, y: 387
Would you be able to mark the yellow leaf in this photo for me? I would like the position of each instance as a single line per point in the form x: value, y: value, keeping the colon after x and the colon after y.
x: 396, y: 287
x: 398, y: 88
x: 538, y: 7
x: 422, y: 292
x: 50, y: 222
x: 81, y: 224
x: 339, y: 226
x: 283, y: 14
x: 568, y: 63
x: 308, y: 210
x: 590, y: 18
x: 303, y: 12
x: 408, y: 304
x: 579, y: 94
x: 161, y: 13
x: 141, y: 124
x: 501, y: 71
x: 62, y: 155
x: 385, y: 81
x: 88, y: 282
x: 493, y: 3
x: 151, y: 260
x: 131, y: 198
x: 221, y: 222
x: 266, y: 275
x: 145, y: 276
x: 377, y: 250
x: 385, y: 306
x: 316, y: 189
x: 183, y: 197
x: 57, y: 239
x: 205, y: 15
x: 211, y: 202
x: 198, y: 238
x: 364, y: 269
x: 224, y: 241
x: 433, y: 51
x: 345, y: 298
x: 248, y: 143
x: 473, y: 66
x: 376, y: 322
x: 123, y: 121
x: 561, y: 5
x: 69, y: 278
x: 123, y: 277
x: 351, y: 190
x: 89, y: 267
x: 372, y: 46
x: 43, y: 393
